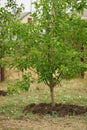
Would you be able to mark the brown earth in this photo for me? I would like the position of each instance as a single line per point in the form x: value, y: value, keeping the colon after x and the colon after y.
x: 45, y: 123
x: 59, y: 109
x: 3, y: 93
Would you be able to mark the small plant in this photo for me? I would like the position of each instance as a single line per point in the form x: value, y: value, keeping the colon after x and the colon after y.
x: 38, y: 88
x: 20, y: 85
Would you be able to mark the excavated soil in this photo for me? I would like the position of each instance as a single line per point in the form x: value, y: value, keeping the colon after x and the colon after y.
x: 3, y: 93
x: 59, y: 109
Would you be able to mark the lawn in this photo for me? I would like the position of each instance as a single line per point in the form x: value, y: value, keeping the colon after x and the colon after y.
x: 70, y: 92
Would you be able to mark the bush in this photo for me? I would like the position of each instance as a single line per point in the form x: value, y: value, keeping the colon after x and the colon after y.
x: 20, y: 85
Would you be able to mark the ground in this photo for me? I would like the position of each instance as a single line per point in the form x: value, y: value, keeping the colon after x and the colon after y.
x: 45, y: 123
x: 58, y: 110
x: 73, y: 92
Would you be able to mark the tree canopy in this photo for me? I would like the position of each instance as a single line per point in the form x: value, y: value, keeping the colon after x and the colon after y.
x: 47, y: 43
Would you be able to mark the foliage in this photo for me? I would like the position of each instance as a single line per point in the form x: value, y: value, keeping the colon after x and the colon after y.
x: 57, y: 58
x: 20, y: 85
x: 8, y: 15
x: 77, y: 36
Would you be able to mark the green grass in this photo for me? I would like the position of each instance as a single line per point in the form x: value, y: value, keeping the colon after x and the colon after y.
x: 12, y: 105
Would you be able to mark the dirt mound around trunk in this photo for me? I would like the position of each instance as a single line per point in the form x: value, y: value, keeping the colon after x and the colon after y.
x: 58, y: 109
x: 3, y: 93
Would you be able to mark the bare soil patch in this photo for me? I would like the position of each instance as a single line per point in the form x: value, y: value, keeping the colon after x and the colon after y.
x: 59, y: 109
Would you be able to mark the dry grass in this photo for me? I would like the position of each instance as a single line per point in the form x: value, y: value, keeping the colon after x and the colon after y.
x: 45, y: 123
x: 11, y: 106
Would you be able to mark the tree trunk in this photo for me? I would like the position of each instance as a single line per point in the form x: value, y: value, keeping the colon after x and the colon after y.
x: 1, y: 74
x: 1, y: 69
x: 82, y: 60
x: 76, y: 45
x: 82, y: 73
x: 52, y: 95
